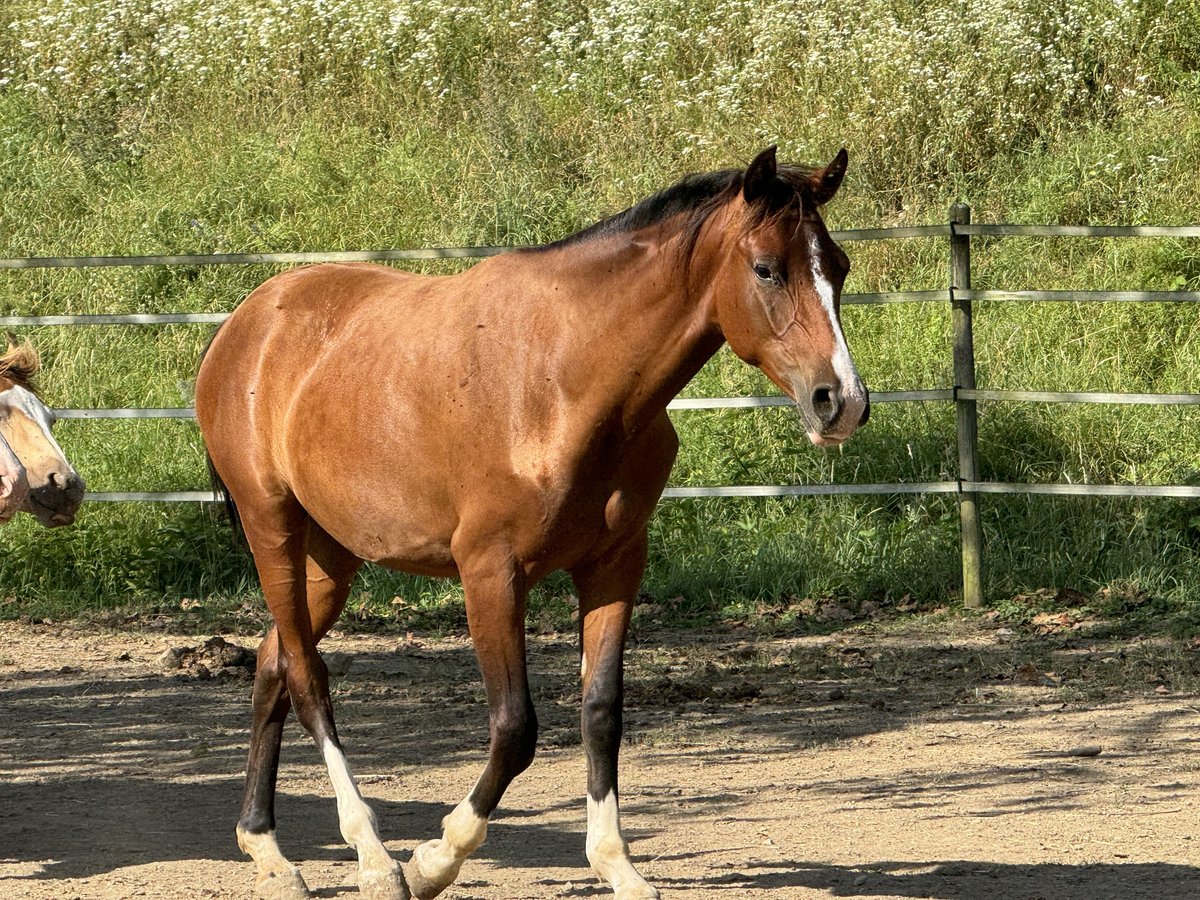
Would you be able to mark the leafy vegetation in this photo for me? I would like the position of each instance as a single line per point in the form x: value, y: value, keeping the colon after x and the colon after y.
x: 149, y: 126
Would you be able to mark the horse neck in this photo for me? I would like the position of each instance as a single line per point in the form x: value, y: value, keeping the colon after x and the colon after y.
x: 649, y: 329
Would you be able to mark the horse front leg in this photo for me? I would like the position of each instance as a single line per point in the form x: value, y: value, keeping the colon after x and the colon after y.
x: 606, y: 592
x: 495, y: 591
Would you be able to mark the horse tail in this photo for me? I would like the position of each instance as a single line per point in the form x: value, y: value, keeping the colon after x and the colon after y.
x: 214, y: 477
x: 222, y: 492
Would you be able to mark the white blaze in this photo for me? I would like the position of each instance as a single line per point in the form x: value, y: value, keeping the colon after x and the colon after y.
x: 24, y: 401
x: 843, y: 365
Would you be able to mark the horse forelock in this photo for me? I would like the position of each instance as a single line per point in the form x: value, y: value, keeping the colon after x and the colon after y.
x: 20, y: 364
x: 793, y: 192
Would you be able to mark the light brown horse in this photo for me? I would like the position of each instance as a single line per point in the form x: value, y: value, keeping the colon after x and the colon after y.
x: 35, y: 476
x: 498, y: 425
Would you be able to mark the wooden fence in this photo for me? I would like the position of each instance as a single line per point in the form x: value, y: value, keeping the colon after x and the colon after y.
x: 963, y: 394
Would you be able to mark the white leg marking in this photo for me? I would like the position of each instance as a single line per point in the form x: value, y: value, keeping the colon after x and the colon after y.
x: 357, y: 822
x: 608, y: 851
x: 438, y: 861
x: 276, y: 876
x: 264, y: 850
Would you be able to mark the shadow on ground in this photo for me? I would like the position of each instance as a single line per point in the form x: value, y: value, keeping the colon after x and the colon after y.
x: 955, y: 879
x: 108, y: 766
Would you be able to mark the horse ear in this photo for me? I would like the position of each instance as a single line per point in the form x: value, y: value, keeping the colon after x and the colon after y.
x: 826, y: 182
x: 760, y: 176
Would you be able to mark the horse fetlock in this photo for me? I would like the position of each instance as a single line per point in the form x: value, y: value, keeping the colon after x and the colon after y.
x: 360, y: 828
x: 432, y: 869
x: 628, y: 884
x: 610, y: 861
x: 277, y: 878
x: 606, y: 848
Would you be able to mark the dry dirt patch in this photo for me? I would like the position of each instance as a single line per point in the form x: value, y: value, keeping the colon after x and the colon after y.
x: 847, y: 766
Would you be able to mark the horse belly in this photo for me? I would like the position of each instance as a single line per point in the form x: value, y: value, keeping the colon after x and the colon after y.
x: 393, y: 524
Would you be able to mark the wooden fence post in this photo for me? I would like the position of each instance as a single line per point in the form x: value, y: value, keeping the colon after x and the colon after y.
x: 965, y: 411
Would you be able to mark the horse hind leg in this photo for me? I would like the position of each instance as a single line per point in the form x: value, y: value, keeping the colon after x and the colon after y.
x: 277, y: 878
x: 606, y: 593
x: 330, y: 571
x: 495, y: 599
x: 275, y: 533
x: 290, y: 671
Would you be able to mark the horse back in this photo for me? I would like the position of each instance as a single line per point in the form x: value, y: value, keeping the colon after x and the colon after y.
x: 402, y: 410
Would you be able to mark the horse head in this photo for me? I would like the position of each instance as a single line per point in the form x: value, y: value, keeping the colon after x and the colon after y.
x: 779, y: 289
x: 52, y: 490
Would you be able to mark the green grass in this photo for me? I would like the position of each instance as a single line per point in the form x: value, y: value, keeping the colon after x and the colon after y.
x: 370, y: 124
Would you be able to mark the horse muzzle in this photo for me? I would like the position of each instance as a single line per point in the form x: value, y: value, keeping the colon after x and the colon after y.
x: 55, y: 503
x: 832, y: 413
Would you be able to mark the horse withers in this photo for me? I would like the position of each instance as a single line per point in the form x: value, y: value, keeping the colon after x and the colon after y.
x: 35, y: 476
x: 498, y: 425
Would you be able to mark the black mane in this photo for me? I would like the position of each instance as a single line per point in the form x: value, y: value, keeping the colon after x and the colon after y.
x: 695, y: 196
x: 689, y: 195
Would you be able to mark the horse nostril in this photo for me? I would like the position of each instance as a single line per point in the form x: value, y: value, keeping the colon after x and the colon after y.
x: 827, y: 403
x: 67, y: 482
x: 866, y: 410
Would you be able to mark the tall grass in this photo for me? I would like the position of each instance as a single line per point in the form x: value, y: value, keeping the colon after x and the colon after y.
x: 147, y: 126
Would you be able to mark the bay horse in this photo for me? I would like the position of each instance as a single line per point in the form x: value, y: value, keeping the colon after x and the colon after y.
x: 35, y: 476
x: 497, y: 425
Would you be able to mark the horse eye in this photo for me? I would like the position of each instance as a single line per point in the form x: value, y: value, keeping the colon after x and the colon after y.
x: 765, y: 273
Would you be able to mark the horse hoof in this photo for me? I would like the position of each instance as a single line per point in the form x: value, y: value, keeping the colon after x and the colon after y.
x: 640, y: 892
x: 385, y: 886
x: 422, y: 887
x: 282, y: 886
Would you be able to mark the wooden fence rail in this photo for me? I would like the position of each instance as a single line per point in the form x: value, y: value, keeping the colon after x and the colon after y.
x: 964, y: 394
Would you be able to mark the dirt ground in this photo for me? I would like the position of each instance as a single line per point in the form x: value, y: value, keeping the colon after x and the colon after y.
x: 872, y: 764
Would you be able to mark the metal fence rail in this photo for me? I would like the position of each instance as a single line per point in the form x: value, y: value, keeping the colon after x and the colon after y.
x: 964, y: 393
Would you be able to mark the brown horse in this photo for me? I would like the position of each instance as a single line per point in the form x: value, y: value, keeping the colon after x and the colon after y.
x: 35, y: 476
x: 498, y: 425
